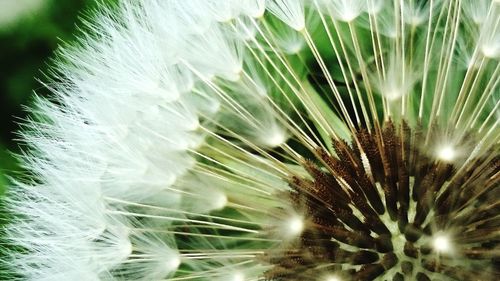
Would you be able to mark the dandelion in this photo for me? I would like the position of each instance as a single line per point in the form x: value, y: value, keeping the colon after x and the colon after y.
x: 266, y: 140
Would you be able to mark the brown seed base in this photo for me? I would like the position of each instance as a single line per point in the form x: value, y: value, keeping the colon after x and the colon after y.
x: 375, y: 219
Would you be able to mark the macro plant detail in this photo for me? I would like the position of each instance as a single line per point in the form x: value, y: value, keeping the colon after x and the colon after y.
x: 410, y: 204
x: 323, y: 140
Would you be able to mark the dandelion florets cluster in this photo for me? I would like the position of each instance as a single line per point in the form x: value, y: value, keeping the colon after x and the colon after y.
x: 323, y: 140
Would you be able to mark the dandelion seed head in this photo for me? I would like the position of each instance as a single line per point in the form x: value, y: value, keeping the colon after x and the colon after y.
x: 279, y: 140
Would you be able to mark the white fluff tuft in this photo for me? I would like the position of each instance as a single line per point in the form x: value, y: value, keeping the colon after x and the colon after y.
x: 290, y: 12
x: 176, y: 143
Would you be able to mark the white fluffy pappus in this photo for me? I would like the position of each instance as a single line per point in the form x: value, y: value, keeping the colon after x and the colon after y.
x: 200, y: 140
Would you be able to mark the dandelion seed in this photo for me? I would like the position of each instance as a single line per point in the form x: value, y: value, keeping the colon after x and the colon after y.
x: 266, y: 140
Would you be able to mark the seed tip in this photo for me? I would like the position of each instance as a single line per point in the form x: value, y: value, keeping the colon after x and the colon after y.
x: 446, y: 153
x: 295, y: 226
x: 441, y: 243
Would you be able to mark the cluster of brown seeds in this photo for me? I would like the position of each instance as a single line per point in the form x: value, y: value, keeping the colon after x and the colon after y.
x: 384, y: 209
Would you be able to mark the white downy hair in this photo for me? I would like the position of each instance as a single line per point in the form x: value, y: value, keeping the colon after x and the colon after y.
x: 178, y: 131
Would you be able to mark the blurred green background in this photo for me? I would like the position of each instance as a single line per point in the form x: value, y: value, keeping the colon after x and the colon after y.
x: 30, y: 31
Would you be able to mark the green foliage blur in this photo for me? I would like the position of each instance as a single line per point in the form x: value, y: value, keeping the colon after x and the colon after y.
x: 26, y: 46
